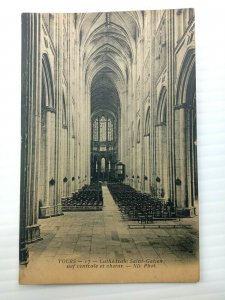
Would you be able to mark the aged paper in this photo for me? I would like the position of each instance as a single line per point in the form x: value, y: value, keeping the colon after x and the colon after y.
x: 109, y: 188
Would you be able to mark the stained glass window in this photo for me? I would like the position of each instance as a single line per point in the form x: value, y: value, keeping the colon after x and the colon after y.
x: 110, y: 130
x: 95, y: 130
x: 102, y: 129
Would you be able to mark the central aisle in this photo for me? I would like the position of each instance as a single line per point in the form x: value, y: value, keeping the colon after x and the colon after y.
x: 109, y: 203
x: 118, y: 241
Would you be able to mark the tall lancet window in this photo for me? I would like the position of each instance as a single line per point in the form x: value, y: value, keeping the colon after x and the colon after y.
x: 110, y: 130
x: 95, y: 130
x: 102, y: 129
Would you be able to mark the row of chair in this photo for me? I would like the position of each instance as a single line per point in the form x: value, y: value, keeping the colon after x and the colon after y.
x: 138, y: 206
x: 90, y: 196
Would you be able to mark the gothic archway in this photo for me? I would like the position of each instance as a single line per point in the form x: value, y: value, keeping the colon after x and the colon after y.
x: 186, y: 137
x: 47, y: 143
x: 161, y: 145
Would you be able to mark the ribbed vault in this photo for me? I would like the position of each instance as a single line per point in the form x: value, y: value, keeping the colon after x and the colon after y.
x: 107, y: 42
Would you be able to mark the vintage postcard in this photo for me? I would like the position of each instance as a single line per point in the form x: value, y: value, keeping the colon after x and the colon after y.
x: 109, y: 187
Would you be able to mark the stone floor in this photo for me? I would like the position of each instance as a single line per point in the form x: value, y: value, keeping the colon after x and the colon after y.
x: 108, y: 235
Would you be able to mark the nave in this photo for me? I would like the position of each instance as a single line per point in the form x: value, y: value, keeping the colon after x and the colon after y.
x: 108, y: 97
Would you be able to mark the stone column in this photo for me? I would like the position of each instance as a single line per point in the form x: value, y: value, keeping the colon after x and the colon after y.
x: 45, y: 208
x: 52, y: 163
x: 58, y: 98
x: 23, y: 250
x: 181, y: 166
x: 89, y: 136
x: 146, y: 175
x: 165, y: 163
x: 183, y: 182
x: 158, y: 157
x: 60, y: 134
x: 29, y: 229
x: 141, y: 146
x: 190, y: 161
x: 170, y: 33
x: 153, y: 111
x: 32, y: 228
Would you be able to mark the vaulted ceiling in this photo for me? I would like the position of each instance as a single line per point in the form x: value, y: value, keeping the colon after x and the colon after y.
x: 108, y: 48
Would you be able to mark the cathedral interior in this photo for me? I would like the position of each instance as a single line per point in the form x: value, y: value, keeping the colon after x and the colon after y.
x: 109, y: 143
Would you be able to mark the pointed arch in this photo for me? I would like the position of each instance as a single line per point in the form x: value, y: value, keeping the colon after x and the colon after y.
x: 47, y: 82
x: 147, y: 122
x: 186, y: 119
x: 162, y: 107
x: 184, y: 85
